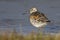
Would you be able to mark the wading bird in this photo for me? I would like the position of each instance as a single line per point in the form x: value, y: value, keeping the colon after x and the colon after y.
x: 38, y: 19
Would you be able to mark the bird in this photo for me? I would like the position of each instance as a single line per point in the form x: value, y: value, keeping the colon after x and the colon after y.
x: 38, y: 19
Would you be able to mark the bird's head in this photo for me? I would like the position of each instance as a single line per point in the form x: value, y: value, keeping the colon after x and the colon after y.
x: 33, y: 10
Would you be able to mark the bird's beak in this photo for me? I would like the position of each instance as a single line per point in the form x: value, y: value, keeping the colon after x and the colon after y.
x: 48, y: 21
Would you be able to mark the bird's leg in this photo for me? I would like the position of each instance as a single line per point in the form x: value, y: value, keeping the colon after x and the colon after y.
x: 40, y: 34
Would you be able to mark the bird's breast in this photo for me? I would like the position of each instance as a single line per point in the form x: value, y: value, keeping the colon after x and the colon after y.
x: 37, y: 24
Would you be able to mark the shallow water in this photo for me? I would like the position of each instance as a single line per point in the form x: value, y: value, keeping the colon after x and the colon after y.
x: 14, y: 15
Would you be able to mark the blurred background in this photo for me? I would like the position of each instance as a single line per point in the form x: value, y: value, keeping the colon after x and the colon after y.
x: 14, y: 14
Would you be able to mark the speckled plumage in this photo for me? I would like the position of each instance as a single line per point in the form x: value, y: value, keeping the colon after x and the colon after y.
x: 38, y: 19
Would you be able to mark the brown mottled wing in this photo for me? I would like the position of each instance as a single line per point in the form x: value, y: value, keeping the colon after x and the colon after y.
x: 44, y: 18
x: 39, y: 16
x: 42, y: 15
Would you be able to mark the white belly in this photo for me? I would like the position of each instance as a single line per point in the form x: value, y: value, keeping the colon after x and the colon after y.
x: 38, y: 24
